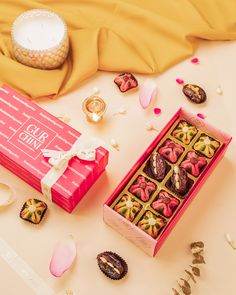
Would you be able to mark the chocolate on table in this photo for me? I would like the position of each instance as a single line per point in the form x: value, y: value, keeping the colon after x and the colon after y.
x: 33, y: 211
x: 151, y: 224
x: 194, y: 93
x: 206, y: 146
x: 112, y: 265
x: 158, y: 166
x: 165, y: 204
x: 171, y: 150
x: 184, y: 132
x: 143, y: 188
x: 193, y: 163
x: 126, y: 81
x: 179, y: 180
x: 128, y: 207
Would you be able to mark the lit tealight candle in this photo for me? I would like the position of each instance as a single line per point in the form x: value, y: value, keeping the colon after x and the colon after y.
x: 40, y: 39
x: 94, y: 107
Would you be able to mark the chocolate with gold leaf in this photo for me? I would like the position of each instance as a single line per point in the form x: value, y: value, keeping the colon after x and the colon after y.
x: 179, y: 180
x: 194, y: 93
x: 158, y: 166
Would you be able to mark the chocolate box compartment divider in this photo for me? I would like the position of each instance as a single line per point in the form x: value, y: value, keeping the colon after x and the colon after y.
x: 129, y: 229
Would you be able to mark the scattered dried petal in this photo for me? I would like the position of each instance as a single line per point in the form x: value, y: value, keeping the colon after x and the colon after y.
x: 219, y: 90
x: 150, y: 127
x: 121, y: 111
x: 147, y: 93
x: 191, y: 276
x: 230, y: 241
x: 7, y: 195
x: 64, y: 118
x: 201, y: 116
x: 196, y: 271
x: 96, y: 91
x: 114, y: 144
x: 157, y: 111
x: 195, y: 60
x: 199, y: 259
x: 179, y: 81
x: 63, y: 256
x: 175, y: 291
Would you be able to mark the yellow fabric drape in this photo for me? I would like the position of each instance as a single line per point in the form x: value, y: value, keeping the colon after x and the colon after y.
x: 140, y: 36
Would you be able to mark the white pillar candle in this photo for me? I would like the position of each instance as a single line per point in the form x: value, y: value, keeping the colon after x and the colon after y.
x: 40, y: 39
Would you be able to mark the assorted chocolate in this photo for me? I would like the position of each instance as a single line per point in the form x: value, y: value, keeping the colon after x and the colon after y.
x: 125, y: 82
x: 193, y: 163
x: 184, y: 132
x: 179, y: 180
x: 165, y: 204
x: 163, y: 182
x: 112, y: 265
x: 157, y: 166
x: 33, y: 211
x: 171, y: 150
x: 194, y: 93
x: 143, y: 188
x: 128, y: 207
x: 206, y: 146
x: 151, y: 224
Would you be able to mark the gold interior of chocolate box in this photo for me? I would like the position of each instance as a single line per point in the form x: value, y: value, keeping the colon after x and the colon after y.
x: 161, y: 185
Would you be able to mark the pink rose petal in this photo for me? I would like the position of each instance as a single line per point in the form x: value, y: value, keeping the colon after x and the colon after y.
x: 157, y: 111
x: 195, y: 60
x: 147, y: 93
x: 179, y: 81
x: 201, y: 116
x: 63, y: 256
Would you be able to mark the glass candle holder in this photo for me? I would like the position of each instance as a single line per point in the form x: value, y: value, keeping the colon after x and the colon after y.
x: 94, y: 108
x: 40, y: 39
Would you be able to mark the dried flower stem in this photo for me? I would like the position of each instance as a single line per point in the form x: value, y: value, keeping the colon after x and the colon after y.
x: 63, y: 118
x: 230, y: 241
x: 190, y: 275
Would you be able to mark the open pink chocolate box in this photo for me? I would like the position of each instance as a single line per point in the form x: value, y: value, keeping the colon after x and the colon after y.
x: 145, y: 209
x: 26, y: 130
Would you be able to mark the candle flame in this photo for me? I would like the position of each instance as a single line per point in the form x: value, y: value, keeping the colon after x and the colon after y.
x: 95, y: 117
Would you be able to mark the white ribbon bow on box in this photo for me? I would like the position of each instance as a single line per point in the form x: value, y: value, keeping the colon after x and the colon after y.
x: 84, y: 149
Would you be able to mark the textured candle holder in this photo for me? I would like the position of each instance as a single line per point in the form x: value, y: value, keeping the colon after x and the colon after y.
x: 94, y: 108
x: 43, y: 57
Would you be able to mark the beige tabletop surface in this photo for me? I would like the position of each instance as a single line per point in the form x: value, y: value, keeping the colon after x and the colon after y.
x: 209, y: 217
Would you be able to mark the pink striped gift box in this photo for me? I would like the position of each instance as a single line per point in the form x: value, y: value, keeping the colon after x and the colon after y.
x: 25, y: 130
